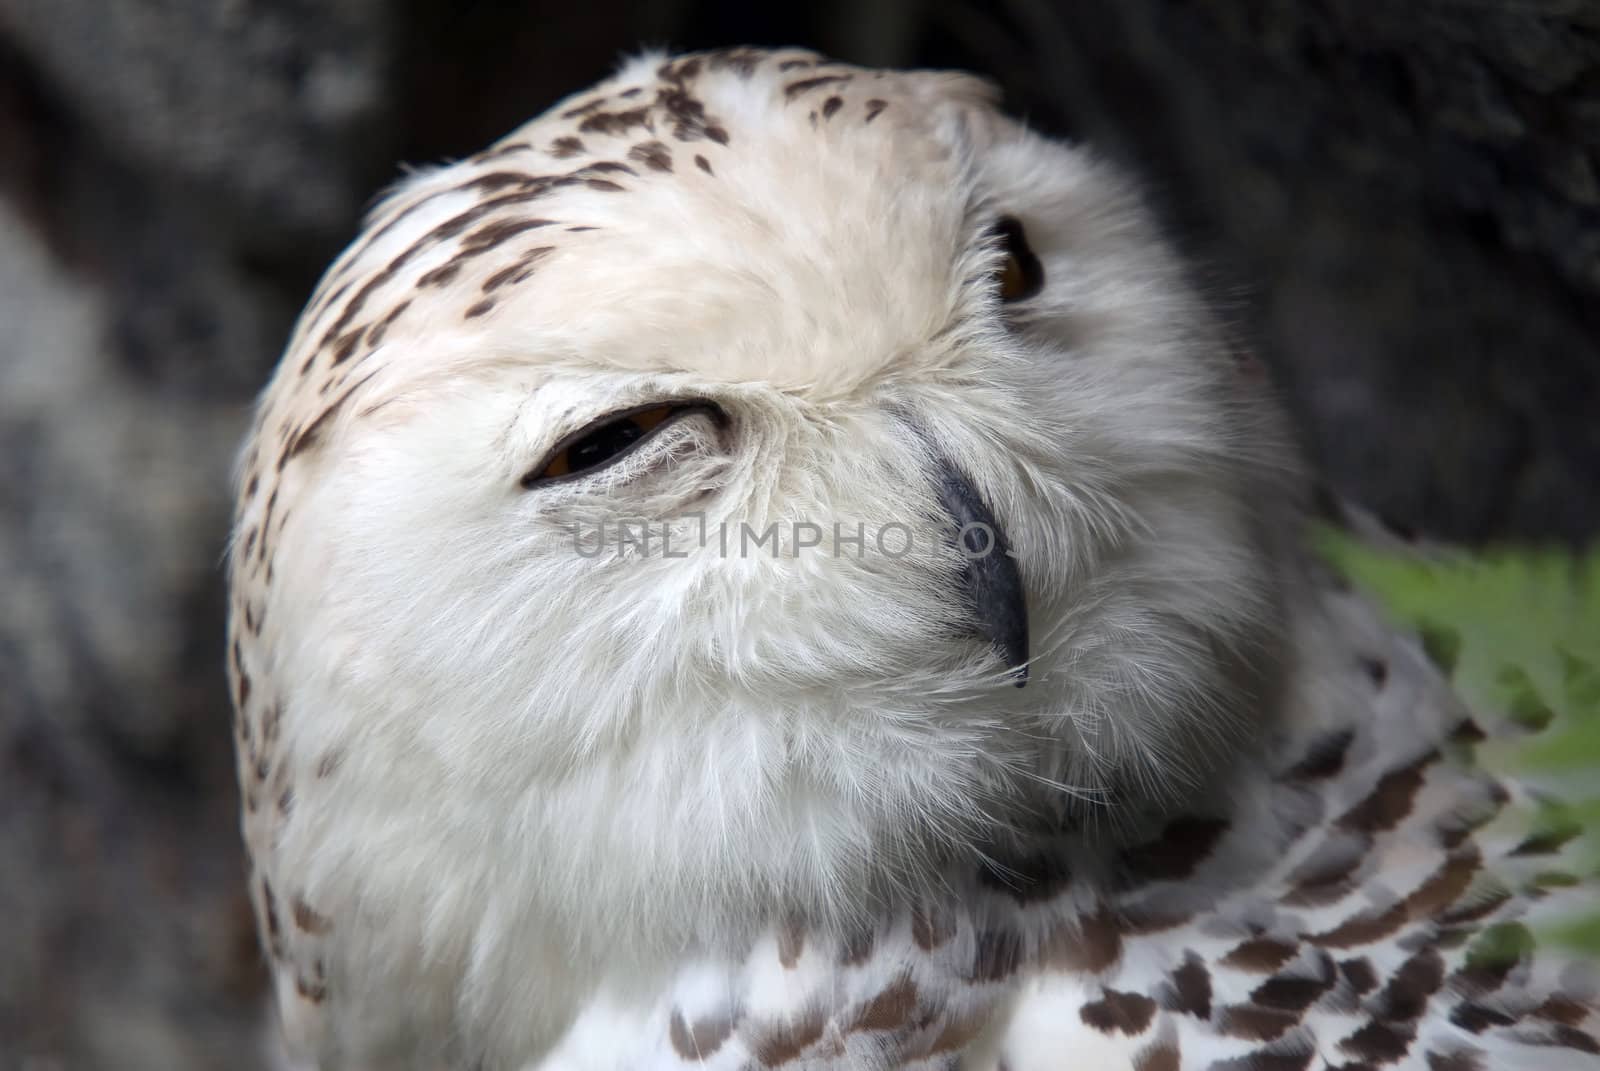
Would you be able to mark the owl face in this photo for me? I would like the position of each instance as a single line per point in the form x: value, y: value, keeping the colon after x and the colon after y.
x: 662, y: 508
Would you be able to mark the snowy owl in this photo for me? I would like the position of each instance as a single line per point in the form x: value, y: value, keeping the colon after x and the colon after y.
x: 771, y: 564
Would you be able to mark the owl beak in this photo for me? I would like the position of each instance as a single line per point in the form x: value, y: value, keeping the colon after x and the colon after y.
x: 990, y: 579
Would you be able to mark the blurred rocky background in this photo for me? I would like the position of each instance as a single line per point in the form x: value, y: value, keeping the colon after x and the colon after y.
x: 1397, y: 203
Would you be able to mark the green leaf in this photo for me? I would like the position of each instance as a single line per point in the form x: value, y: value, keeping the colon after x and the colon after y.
x: 1524, y: 706
x: 1499, y: 945
x: 1582, y: 680
x: 1517, y: 632
x: 1582, y: 936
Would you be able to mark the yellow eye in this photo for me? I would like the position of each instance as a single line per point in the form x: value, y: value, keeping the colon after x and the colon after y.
x: 1020, y: 274
x: 608, y: 439
x: 1013, y: 281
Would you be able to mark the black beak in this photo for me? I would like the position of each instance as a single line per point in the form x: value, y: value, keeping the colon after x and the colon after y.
x: 990, y: 579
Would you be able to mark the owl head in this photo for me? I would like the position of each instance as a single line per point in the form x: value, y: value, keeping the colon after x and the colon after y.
x: 750, y: 485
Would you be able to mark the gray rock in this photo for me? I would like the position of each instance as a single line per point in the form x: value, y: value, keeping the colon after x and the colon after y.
x: 127, y: 942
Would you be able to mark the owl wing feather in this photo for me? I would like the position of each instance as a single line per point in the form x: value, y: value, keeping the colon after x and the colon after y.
x: 1368, y: 898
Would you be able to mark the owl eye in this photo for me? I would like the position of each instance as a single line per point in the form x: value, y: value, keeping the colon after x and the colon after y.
x: 609, y: 439
x: 1020, y: 274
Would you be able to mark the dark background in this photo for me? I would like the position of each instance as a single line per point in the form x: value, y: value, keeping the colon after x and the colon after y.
x: 1397, y: 202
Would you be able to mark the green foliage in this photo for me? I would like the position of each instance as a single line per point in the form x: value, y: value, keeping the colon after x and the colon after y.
x: 1517, y: 630
x: 1498, y: 945
x: 1518, y: 634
